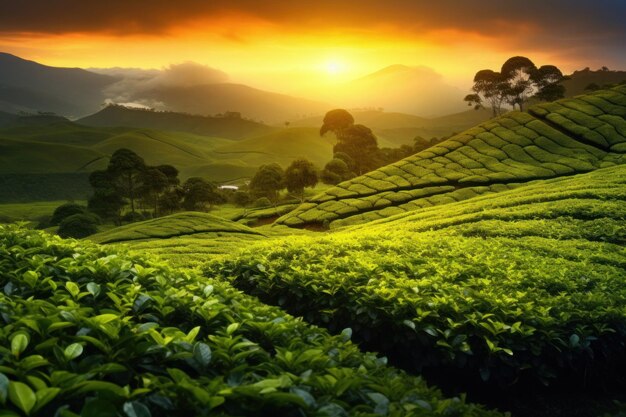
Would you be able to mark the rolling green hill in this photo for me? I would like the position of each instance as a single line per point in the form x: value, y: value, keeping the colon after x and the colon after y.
x: 555, y: 139
x: 54, y: 149
x: 224, y: 127
x: 395, y: 129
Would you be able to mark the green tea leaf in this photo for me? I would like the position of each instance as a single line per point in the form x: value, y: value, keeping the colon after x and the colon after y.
x: 4, y: 388
x: 22, y: 396
x: 19, y: 343
x: 136, y: 409
x: 73, y: 351
x: 72, y: 288
x: 202, y: 353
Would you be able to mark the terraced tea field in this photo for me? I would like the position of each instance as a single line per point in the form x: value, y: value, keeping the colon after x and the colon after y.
x: 522, y: 287
x: 184, y: 238
x: 567, y: 137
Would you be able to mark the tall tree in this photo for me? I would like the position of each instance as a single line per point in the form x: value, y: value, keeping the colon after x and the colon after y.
x: 490, y: 87
x: 153, y: 184
x: 547, y: 80
x: 126, y: 166
x: 200, y: 192
x: 268, y: 181
x: 518, y: 73
x: 106, y: 200
x: 357, y: 141
x: 300, y: 175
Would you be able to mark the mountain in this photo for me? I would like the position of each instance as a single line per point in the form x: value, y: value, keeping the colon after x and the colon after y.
x: 400, y: 88
x: 228, y: 97
x: 224, y: 127
x: 579, y: 80
x: 32, y: 87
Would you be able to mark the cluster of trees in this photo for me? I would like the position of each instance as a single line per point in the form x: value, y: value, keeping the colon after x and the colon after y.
x: 519, y: 80
x: 271, y: 179
x: 356, y: 151
x: 128, y: 181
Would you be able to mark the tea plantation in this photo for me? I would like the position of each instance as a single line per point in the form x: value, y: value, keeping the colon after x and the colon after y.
x: 523, y: 288
x: 567, y: 137
x: 92, y: 331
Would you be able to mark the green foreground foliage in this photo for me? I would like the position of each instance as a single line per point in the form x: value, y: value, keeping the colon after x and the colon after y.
x: 91, y: 331
x: 526, y: 284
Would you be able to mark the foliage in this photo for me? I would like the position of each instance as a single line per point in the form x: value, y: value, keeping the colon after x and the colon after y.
x: 518, y: 80
x: 78, y: 225
x: 268, y: 181
x: 64, y: 211
x: 92, y: 331
x: 262, y: 202
x: 527, y: 284
x: 299, y: 175
x: 198, y: 193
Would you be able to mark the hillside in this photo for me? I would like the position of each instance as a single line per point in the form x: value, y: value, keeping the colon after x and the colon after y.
x: 216, y: 98
x: 224, y: 127
x: 551, y: 140
x: 579, y: 80
x: 401, y: 128
x: 492, y: 295
x: 29, y: 86
x: 38, y: 153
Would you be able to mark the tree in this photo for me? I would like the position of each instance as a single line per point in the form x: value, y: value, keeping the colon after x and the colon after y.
x: 518, y: 72
x: 357, y: 141
x: 199, y: 192
x: 268, y: 181
x: 361, y: 145
x: 547, y: 80
x: 518, y: 80
x: 490, y: 85
x: 106, y: 201
x: 336, y: 121
x: 153, y: 184
x: 335, y: 172
x: 300, y: 175
x: 126, y: 166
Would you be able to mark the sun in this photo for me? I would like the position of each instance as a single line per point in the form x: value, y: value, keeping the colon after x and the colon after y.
x: 335, y: 67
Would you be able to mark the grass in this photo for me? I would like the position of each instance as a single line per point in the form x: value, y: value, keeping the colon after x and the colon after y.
x: 563, y: 138
x: 32, y: 211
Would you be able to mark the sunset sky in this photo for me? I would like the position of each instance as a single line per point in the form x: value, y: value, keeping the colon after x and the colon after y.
x: 295, y: 46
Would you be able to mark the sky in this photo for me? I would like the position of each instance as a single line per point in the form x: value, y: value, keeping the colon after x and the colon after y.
x: 301, y: 46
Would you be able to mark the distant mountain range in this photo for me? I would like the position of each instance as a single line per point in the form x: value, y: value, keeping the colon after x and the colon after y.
x: 27, y: 86
x: 231, y: 127
x: 30, y: 87
x: 400, y: 88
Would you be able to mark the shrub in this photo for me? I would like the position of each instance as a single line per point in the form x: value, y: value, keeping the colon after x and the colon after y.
x: 262, y: 202
x: 64, y: 211
x: 78, y: 226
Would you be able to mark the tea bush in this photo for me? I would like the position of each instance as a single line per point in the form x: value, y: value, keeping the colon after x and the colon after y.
x: 91, y: 331
x: 527, y: 283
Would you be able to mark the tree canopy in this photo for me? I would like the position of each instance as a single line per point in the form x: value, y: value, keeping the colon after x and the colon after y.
x: 300, y: 175
x: 519, y: 80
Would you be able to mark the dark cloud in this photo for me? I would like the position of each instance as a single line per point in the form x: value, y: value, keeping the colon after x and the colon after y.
x: 540, y: 23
